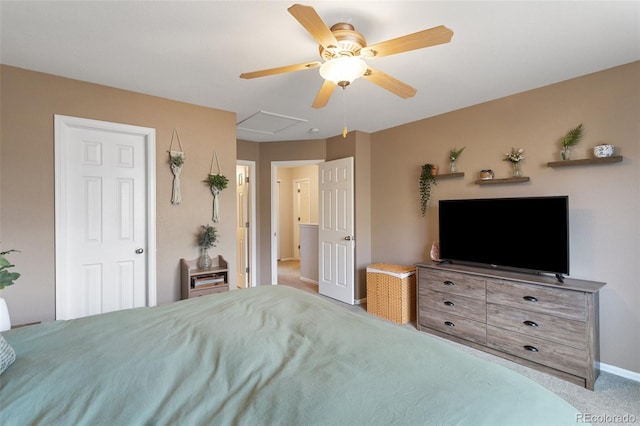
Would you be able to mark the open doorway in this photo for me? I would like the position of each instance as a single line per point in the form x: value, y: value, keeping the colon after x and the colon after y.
x: 294, y: 213
x: 245, y: 224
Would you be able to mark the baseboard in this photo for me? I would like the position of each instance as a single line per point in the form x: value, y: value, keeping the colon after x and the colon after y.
x: 627, y: 374
x: 308, y: 280
x: 360, y: 301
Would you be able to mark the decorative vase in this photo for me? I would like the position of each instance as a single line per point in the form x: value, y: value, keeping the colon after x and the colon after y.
x: 5, y: 320
x: 204, y: 261
x: 516, y: 168
x: 566, y: 153
x: 453, y: 168
x: 434, y: 170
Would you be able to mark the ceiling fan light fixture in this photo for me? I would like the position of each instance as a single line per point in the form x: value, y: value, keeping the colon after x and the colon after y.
x: 343, y: 70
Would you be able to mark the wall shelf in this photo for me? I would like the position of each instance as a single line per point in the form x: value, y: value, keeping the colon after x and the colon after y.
x: 585, y: 161
x: 499, y: 181
x: 449, y: 175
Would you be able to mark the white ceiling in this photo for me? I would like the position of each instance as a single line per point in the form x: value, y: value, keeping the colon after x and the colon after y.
x: 194, y: 52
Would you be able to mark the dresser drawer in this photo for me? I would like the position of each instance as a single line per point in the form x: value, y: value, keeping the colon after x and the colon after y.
x: 453, y: 282
x: 543, y: 326
x: 466, y: 307
x: 561, y: 357
x: 454, y: 325
x: 547, y: 300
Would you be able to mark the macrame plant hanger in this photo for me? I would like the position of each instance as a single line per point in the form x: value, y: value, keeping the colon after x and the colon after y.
x: 215, y: 190
x: 176, y: 161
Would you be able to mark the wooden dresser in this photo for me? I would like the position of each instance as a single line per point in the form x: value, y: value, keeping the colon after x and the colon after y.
x: 533, y: 320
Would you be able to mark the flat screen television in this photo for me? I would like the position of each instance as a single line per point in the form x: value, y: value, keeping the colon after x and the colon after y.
x: 529, y: 234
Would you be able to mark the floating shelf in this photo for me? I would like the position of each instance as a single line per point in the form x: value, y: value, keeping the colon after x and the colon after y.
x: 499, y: 181
x: 449, y: 175
x: 585, y: 161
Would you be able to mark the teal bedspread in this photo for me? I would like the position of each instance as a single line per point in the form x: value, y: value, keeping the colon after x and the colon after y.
x: 262, y: 356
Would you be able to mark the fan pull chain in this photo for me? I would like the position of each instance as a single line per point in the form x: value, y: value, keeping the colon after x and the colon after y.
x: 344, y: 112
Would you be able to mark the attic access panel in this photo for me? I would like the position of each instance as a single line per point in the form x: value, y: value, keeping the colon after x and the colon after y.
x: 268, y: 123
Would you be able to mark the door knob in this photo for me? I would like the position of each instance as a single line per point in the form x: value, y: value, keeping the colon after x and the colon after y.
x: 347, y: 238
x: 139, y: 251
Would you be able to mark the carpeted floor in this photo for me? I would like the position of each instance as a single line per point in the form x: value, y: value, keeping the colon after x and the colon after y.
x: 615, y: 400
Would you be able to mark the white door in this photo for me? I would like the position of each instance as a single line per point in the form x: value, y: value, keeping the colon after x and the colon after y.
x: 242, y: 223
x: 105, y: 217
x: 301, y: 210
x: 336, y: 238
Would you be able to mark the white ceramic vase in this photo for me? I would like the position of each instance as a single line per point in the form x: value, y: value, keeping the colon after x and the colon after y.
x: 5, y: 321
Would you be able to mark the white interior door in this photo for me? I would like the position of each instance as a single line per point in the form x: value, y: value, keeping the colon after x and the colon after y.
x: 301, y: 210
x: 105, y: 217
x: 336, y: 238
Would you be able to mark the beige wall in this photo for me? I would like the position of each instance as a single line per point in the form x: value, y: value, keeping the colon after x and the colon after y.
x: 29, y: 102
x: 604, y: 199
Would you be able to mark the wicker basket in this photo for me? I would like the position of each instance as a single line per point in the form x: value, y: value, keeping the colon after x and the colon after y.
x: 391, y: 292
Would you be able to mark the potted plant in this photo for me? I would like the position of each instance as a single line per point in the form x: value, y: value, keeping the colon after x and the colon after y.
x: 216, y: 184
x: 571, y: 139
x: 206, y: 239
x: 453, y: 157
x: 427, y: 178
x: 7, y: 278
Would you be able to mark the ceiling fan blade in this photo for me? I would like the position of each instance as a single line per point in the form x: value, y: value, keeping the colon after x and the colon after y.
x: 393, y: 85
x: 322, y: 98
x: 421, y: 39
x: 280, y: 70
x: 309, y: 19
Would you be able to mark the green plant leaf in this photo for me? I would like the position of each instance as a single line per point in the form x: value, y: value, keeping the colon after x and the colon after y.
x: 426, y: 180
x: 217, y: 181
x: 572, y: 138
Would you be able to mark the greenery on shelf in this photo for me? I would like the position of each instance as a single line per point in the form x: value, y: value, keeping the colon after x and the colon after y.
x: 455, y: 153
x: 571, y: 139
x: 427, y: 179
x: 217, y: 181
x: 208, y: 236
x: 7, y: 277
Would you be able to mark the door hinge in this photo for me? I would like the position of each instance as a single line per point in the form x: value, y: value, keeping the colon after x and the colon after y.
x: 246, y: 179
x: 246, y: 224
x: 246, y: 269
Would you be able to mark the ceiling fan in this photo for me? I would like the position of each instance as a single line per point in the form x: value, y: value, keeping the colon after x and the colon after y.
x: 343, y: 50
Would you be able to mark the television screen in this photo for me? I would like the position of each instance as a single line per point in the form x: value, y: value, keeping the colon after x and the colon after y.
x: 530, y: 234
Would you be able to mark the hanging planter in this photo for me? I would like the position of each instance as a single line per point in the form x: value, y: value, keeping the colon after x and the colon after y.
x: 217, y: 182
x: 176, y: 161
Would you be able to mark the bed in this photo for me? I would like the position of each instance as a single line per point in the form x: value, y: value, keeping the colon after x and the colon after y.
x: 269, y: 355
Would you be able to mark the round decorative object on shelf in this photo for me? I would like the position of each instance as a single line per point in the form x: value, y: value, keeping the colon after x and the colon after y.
x: 486, y: 174
x: 605, y: 150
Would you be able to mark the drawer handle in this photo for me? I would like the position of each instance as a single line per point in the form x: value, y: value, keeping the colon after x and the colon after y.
x: 531, y: 348
x: 530, y: 299
x: 449, y: 324
x: 530, y: 323
x: 449, y: 283
x: 448, y: 303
